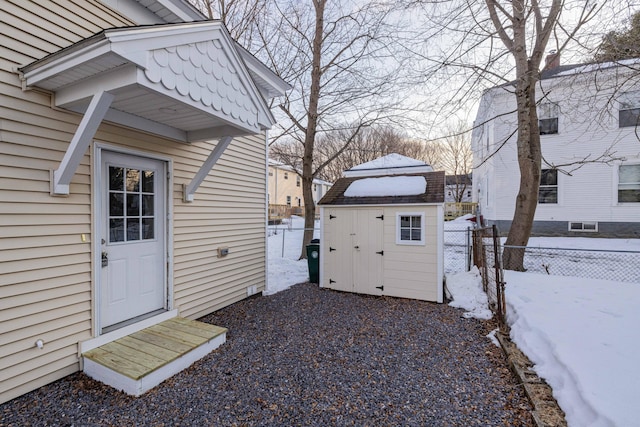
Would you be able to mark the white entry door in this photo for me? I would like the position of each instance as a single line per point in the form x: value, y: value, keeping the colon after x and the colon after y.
x: 133, y: 242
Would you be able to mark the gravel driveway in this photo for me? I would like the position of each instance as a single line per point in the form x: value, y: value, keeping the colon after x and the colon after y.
x: 312, y: 357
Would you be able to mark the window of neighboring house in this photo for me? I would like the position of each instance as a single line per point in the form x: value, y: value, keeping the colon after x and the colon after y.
x: 270, y: 173
x: 297, y: 181
x: 548, y: 118
x: 629, y: 184
x: 629, y: 113
x: 469, y: 193
x: 548, y: 192
x: 288, y: 201
x: 286, y: 175
x: 410, y: 229
x: 299, y: 201
x: 588, y: 226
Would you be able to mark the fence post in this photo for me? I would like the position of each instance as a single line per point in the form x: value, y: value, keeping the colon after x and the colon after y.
x: 467, y: 248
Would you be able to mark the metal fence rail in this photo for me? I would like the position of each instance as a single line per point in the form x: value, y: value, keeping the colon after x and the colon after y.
x: 623, y: 266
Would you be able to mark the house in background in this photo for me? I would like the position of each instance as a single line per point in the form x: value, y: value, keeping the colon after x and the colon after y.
x: 133, y: 140
x: 457, y: 196
x: 382, y: 230
x: 590, y: 185
x: 285, y: 191
x: 458, y: 188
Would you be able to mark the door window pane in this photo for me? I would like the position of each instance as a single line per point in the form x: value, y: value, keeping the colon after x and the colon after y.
x: 147, y: 228
x: 116, y: 230
x: 116, y: 178
x: 147, y: 181
x: 116, y: 204
x: 133, y: 229
x: 133, y: 204
x: 133, y: 180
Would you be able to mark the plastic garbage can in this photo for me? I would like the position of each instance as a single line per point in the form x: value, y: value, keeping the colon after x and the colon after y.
x: 313, y: 260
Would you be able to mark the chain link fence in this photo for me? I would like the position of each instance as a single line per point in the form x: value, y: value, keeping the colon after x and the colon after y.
x: 622, y: 266
x: 487, y: 256
x: 457, y: 250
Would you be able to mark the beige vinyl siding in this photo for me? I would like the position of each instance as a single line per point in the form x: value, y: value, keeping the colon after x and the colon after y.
x: 411, y: 271
x: 46, y: 289
x: 408, y: 271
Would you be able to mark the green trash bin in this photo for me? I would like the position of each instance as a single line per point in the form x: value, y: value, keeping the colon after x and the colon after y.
x: 313, y: 260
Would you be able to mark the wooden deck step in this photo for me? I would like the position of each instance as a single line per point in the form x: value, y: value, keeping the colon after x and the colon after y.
x: 140, y: 361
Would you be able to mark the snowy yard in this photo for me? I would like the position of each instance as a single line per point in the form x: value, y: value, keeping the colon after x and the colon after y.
x: 581, y: 334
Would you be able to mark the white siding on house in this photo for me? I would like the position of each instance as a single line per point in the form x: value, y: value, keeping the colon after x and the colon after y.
x: 46, y: 289
x: 587, y: 129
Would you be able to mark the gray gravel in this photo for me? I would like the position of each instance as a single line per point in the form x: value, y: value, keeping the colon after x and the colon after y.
x: 311, y: 357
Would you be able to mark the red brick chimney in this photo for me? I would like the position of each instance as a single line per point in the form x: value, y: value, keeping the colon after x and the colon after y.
x: 552, y: 60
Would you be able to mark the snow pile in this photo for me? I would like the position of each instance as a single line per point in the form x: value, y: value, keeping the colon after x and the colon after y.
x: 467, y: 293
x: 392, y: 160
x: 583, y: 337
x: 387, y: 186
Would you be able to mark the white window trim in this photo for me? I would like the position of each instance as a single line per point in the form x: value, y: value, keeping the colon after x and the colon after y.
x: 558, y: 195
x: 422, y: 241
x: 582, y: 229
x: 616, y: 183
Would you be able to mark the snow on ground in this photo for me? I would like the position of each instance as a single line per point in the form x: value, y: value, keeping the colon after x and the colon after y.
x: 581, y: 334
x: 467, y: 293
x: 583, y: 337
x: 285, y: 271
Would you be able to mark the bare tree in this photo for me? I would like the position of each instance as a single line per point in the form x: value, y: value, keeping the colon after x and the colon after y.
x: 340, y: 59
x: 498, y: 42
x: 456, y: 158
x: 239, y: 16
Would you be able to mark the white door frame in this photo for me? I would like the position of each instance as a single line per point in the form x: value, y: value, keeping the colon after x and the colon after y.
x: 97, y: 218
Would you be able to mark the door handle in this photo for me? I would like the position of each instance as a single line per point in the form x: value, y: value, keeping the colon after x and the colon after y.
x: 356, y: 247
x: 105, y: 259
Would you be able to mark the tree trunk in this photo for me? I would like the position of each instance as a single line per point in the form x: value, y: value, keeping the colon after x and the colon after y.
x: 529, y: 161
x: 310, y: 133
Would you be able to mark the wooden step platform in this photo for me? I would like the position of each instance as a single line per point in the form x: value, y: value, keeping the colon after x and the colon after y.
x: 138, y: 362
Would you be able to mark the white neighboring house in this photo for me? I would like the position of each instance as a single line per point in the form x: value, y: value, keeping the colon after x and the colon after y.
x: 587, y: 114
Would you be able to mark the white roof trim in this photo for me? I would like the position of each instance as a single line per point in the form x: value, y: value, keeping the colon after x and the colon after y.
x: 193, y: 71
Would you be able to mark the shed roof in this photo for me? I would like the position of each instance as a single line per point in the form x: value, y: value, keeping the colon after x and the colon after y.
x: 434, y: 192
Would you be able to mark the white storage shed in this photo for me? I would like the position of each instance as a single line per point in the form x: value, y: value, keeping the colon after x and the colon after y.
x: 382, y: 230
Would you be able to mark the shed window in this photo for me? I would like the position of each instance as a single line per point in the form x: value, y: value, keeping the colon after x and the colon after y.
x: 548, y: 192
x: 410, y: 229
x: 548, y: 118
x: 629, y: 184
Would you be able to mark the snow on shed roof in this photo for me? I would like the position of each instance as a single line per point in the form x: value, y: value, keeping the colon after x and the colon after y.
x: 387, y: 186
x: 391, y: 164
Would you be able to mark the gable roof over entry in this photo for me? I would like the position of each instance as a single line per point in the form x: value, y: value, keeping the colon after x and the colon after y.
x: 187, y: 81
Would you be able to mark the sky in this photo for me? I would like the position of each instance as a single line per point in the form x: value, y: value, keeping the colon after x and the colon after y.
x: 581, y: 334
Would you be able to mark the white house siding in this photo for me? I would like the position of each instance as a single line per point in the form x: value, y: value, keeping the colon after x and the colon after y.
x: 588, y: 125
x: 45, y: 242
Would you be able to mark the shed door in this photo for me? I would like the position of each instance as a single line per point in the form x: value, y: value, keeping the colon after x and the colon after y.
x: 133, y: 269
x: 338, y: 250
x: 368, y: 251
